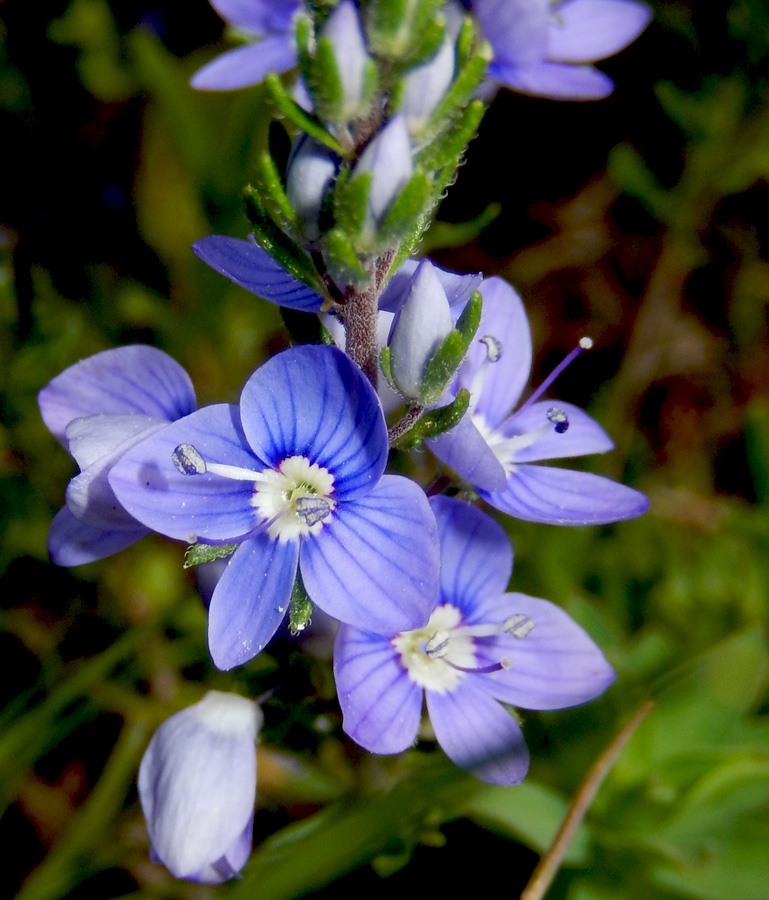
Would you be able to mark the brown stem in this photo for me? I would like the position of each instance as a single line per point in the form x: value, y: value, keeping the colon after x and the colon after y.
x: 412, y: 416
x: 548, y: 866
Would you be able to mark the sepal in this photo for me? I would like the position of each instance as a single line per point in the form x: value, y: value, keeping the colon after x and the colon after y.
x: 397, y: 28
x: 434, y: 423
x: 298, y: 117
x: 342, y: 260
x: 301, y: 608
x: 197, y: 554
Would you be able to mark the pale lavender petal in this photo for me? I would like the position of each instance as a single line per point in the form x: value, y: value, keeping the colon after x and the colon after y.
x: 374, y: 564
x: 189, y: 507
x: 247, y: 65
x: 516, y: 29
x: 310, y: 173
x: 127, y: 380
x: 555, y: 666
x: 476, y: 556
x: 257, y: 16
x: 251, y: 599
x: 587, y: 30
x: 478, y: 734
x: 583, y: 436
x: 564, y: 497
x: 427, y: 84
x: 503, y: 319
x: 313, y: 401
x: 466, y: 451
x: 92, y: 438
x: 388, y: 158
x: 458, y: 287
x: 559, y: 81
x: 344, y: 30
x: 73, y: 542
x: 251, y: 267
x: 381, y: 705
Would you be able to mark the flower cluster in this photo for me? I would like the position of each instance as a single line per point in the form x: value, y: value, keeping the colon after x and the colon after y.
x: 289, y: 487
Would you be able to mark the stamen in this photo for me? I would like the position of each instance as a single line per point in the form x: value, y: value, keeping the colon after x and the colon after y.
x: 312, y: 509
x: 559, y: 418
x: 438, y: 645
x: 585, y: 343
x: 519, y: 625
x: 493, y: 347
x: 504, y: 663
x: 188, y: 461
x: 493, y: 353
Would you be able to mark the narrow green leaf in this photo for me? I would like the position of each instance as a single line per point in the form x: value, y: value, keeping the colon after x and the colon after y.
x: 449, y: 145
x: 342, y: 260
x: 435, y: 422
x: 295, y: 114
x: 350, y: 202
x: 441, y: 368
x: 272, y: 194
x: 409, y: 212
x: 198, y: 554
x: 301, y: 608
x: 325, y: 83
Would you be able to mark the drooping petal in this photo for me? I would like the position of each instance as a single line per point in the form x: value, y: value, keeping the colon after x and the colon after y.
x: 73, y: 542
x: 251, y: 267
x: 257, y: 16
x: 313, y: 401
x: 374, y: 565
x: 478, y: 734
x: 188, y: 507
x: 381, y: 705
x: 197, y: 783
x: 564, y: 497
x: 516, y: 29
x: 587, y: 30
x: 556, y: 665
x: 247, y: 65
x: 558, y: 81
x: 583, y: 436
x: 504, y: 320
x: 466, y: 451
x: 92, y: 438
x: 251, y: 599
x: 127, y: 380
x: 476, y: 556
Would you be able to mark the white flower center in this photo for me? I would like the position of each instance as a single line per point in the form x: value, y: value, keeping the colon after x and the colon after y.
x: 297, y: 495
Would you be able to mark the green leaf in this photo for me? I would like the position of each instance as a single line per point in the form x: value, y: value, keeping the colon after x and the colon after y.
x: 295, y: 114
x: 407, y: 217
x: 350, y: 202
x: 301, y: 608
x: 436, y: 422
x: 198, y: 554
x: 449, y: 145
x: 342, y: 260
x: 272, y: 194
x: 325, y: 83
x: 462, y: 89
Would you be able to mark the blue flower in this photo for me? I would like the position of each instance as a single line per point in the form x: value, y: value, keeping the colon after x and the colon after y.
x: 273, y: 23
x: 197, y: 784
x: 545, y: 48
x: 98, y: 409
x: 493, y: 447
x: 480, y: 646
x: 294, y: 475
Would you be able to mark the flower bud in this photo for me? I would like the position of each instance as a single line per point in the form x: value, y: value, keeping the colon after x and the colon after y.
x: 419, y: 329
x: 343, y: 29
x: 197, y: 784
x: 311, y: 171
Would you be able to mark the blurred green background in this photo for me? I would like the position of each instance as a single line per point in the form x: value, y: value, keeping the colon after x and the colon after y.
x: 641, y: 221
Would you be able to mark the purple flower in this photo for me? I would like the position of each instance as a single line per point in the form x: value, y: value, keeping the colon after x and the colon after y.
x: 273, y: 23
x: 480, y: 646
x: 493, y: 447
x: 98, y: 409
x: 197, y: 784
x: 545, y: 48
x: 294, y: 475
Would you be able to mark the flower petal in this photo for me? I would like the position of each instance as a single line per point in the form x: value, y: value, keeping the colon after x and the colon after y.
x: 251, y: 600
x: 248, y: 65
x: 190, y: 507
x: 124, y: 381
x: 457, y: 286
x: 313, y: 401
x: 587, y: 30
x: 92, y: 438
x: 466, y: 451
x: 73, y: 542
x: 257, y: 16
x: 555, y: 666
x: 476, y: 556
x: 381, y: 705
x: 478, y: 734
x: 375, y: 563
x: 252, y: 268
x: 504, y: 319
x: 564, y: 497
x: 558, y: 81
x: 516, y: 29
x: 583, y: 436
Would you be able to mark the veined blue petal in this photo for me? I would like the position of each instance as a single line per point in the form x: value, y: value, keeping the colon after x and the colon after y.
x: 381, y: 705
x: 478, y: 734
x: 564, y: 497
x: 190, y: 507
x: 466, y: 451
x: 374, y: 564
x: 247, y: 65
x: 134, y: 380
x: 555, y: 666
x: 583, y: 436
x: 73, y: 542
x: 251, y: 599
x: 313, y: 401
x: 197, y: 783
x: 476, y: 556
x: 587, y: 30
x: 92, y: 438
x: 559, y: 81
x: 251, y: 267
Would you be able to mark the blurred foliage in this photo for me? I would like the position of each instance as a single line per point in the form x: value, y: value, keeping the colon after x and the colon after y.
x: 645, y: 226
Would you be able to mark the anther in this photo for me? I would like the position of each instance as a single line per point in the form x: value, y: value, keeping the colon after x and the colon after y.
x: 438, y: 645
x: 312, y: 509
x: 585, y: 343
x: 519, y: 625
x: 559, y: 418
x: 188, y: 461
x: 493, y: 347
